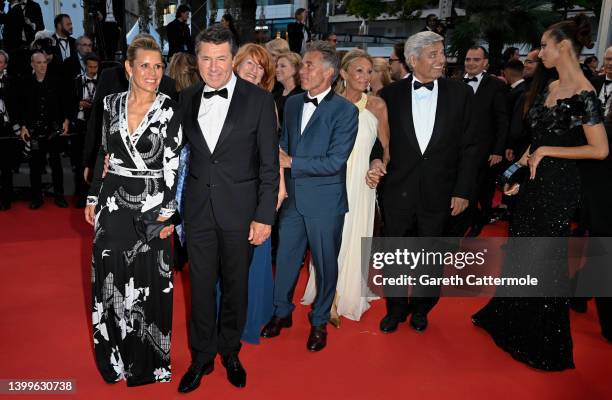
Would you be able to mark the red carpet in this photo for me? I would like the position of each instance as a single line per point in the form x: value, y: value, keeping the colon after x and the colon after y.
x: 45, y: 333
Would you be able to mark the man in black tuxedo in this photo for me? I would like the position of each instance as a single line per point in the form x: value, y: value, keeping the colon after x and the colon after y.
x: 111, y: 80
x: 490, y: 119
x: 229, y: 200
x: 65, y: 49
x: 178, y: 33
x: 298, y: 31
x: 21, y: 23
x: 431, y: 173
x: 603, y: 83
x: 84, y: 91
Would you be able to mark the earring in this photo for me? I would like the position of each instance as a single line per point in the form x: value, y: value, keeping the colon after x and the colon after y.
x: 369, y: 89
x: 344, y: 82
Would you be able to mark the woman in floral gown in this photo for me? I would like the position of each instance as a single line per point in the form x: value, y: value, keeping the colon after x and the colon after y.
x: 131, y: 274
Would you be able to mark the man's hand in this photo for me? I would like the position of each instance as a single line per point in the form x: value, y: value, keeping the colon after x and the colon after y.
x: 377, y: 170
x: 458, y: 204
x: 87, y: 175
x: 65, y: 127
x: 84, y: 104
x: 259, y: 233
x: 494, y: 159
x: 24, y: 134
x: 284, y: 159
x: 282, y: 195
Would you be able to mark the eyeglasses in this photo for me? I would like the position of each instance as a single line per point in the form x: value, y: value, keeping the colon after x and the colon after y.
x: 392, y: 60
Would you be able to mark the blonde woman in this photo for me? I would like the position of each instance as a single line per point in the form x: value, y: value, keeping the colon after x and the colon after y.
x: 355, y: 77
x: 287, y: 75
x: 381, y: 76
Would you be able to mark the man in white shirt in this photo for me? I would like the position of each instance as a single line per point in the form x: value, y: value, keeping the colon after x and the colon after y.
x: 603, y: 83
x: 431, y: 173
x: 319, y: 130
x: 229, y: 200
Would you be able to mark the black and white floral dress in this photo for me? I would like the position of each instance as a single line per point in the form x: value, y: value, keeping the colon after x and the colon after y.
x: 132, y: 278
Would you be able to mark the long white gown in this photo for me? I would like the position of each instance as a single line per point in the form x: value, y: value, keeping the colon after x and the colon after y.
x: 352, y: 295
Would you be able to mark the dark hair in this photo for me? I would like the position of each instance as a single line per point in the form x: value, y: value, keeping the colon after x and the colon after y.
x: 508, y: 53
x: 484, y: 51
x: 232, y: 27
x: 91, y: 57
x: 590, y: 59
x: 398, y: 49
x: 576, y: 29
x: 216, y: 34
x: 59, y: 18
x: 181, y: 9
x: 515, y: 65
x: 299, y: 11
x: 541, y: 79
x: 429, y: 17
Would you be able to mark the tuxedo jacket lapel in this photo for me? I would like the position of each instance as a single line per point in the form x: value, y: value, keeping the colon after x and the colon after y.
x: 198, y: 137
x: 232, y: 112
x: 406, y: 117
x: 441, y: 104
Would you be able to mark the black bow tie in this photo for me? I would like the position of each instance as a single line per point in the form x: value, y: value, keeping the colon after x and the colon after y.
x: 94, y: 81
x: 472, y: 79
x: 220, y: 92
x: 309, y: 100
x: 429, y: 85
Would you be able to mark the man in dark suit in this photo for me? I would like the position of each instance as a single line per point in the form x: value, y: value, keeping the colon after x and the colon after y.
x: 298, y: 31
x: 65, y: 50
x: 111, y: 14
x: 111, y: 80
x: 178, y: 33
x: 431, y: 173
x: 490, y: 119
x: 319, y: 131
x: 43, y: 118
x: 229, y: 200
x: 22, y: 21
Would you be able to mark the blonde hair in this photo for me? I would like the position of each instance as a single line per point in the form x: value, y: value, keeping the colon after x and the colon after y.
x: 347, y: 60
x: 183, y: 68
x: 277, y: 46
x: 295, y: 60
x: 142, y: 43
x: 259, y: 55
x: 381, y: 65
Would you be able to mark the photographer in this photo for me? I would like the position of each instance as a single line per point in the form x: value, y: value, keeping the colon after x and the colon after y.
x: 8, y: 143
x: 42, y: 117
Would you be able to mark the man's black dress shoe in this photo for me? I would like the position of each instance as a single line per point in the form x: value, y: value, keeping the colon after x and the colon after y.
x: 390, y: 322
x: 273, y: 328
x: 475, y: 230
x: 317, y: 340
x: 236, y: 374
x: 191, y: 380
x: 418, y: 322
x: 61, y: 202
x: 35, y: 204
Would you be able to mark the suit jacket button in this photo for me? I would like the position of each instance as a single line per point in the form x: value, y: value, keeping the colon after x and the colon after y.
x: 425, y: 158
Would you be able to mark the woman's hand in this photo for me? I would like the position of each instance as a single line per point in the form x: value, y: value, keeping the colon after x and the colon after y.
x: 533, y: 160
x: 282, y: 195
x: 511, y: 190
x: 166, y: 231
x: 90, y: 214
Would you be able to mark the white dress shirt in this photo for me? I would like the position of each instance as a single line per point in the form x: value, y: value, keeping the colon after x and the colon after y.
x: 110, y: 17
x: 310, y: 108
x: 213, y: 112
x: 424, y: 105
x: 475, y: 85
x: 515, y: 84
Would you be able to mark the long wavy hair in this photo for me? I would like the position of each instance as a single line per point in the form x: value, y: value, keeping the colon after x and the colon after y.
x: 261, y: 56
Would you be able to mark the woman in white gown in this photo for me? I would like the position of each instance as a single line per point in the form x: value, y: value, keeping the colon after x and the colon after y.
x: 352, y: 295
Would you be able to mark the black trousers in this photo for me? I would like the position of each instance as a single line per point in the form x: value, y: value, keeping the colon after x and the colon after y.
x: 8, y: 153
x: 40, y: 149
x: 416, y: 222
x: 216, y: 254
x: 77, y: 143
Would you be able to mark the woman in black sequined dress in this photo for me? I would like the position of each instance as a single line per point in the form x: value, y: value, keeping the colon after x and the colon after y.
x: 567, y: 114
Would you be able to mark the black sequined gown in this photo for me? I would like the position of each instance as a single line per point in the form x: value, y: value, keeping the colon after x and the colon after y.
x: 536, y: 331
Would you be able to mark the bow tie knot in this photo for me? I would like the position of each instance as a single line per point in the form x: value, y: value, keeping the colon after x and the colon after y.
x: 472, y: 79
x: 429, y: 85
x: 314, y: 101
x: 221, y: 92
x: 94, y: 81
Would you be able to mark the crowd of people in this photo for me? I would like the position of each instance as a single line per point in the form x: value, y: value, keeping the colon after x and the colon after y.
x: 249, y: 154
